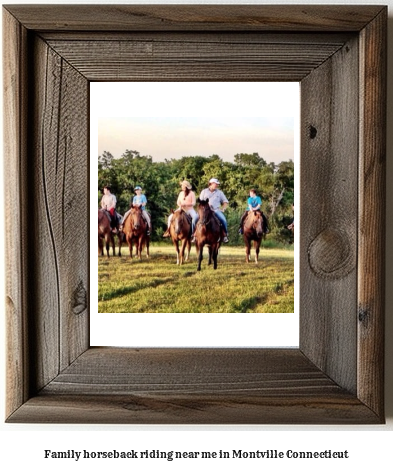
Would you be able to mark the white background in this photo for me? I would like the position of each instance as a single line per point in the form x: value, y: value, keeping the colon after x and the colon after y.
x: 203, y: 100
x: 22, y: 446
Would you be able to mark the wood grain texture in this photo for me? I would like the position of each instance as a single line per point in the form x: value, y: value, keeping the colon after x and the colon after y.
x: 195, y: 17
x: 328, y: 249
x: 14, y: 73
x: 372, y: 192
x: 193, y: 386
x: 184, y: 58
x: 59, y: 177
x: 336, y: 375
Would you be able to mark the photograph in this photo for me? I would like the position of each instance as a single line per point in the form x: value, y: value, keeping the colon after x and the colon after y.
x: 195, y: 214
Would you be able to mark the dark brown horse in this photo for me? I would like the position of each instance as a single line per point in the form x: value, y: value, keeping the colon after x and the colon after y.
x: 120, y: 234
x: 105, y: 232
x: 180, y: 230
x: 253, y: 230
x: 207, y: 232
x: 135, y: 231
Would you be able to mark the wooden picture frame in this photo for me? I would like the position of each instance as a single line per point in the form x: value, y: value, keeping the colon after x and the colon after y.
x: 338, y: 54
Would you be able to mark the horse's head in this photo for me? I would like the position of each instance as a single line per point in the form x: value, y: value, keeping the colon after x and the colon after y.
x: 204, y: 211
x: 136, y: 216
x: 257, y: 223
x: 179, y: 219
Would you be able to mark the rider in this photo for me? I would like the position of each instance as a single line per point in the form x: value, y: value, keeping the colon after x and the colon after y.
x: 140, y: 200
x: 254, y: 203
x: 108, y: 202
x: 218, y: 203
x: 186, y: 201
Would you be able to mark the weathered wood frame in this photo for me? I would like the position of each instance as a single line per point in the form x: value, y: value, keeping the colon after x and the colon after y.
x: 338, y: 54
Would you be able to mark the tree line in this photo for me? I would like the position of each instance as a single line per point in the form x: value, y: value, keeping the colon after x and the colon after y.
x: 160, y: 183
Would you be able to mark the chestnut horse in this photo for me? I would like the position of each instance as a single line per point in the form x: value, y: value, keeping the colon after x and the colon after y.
x: 208, y: 232
x: 105, y: 232
x: 253, y: 230
x: 180, y: 229
x: 135, y: 231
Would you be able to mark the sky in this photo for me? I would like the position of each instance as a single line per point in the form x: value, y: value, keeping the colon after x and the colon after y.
x: 174, y: 137
x: 171, y: 120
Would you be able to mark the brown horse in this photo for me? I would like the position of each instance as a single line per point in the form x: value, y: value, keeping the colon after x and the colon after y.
x: 135, y: 231
x: 207, y: 232
x: 105, y: 232
x: 253, y: 230
x: 180, y: 229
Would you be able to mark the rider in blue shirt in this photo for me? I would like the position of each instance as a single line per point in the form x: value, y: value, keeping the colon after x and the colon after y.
x: 140, y: 200
x: 254, y: 203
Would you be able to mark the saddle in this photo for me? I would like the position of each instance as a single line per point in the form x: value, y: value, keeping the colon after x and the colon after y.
x: 143, y: 217
x: 221, y: 227
x: 114, y: 220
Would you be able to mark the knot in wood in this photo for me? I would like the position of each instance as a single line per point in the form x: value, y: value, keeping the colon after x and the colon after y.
x: 331, y: 254
x: 80, y: 299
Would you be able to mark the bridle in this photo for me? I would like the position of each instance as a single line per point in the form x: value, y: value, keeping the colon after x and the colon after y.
x: 256, y: 222
x: 136, y: 215
x: 179, y: 219
x: 206, y: 215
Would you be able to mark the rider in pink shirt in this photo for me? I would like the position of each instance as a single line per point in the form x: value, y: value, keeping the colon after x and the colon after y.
x: 186, y: 201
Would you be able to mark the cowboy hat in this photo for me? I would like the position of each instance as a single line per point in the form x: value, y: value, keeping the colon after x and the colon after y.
x: 186, y: 184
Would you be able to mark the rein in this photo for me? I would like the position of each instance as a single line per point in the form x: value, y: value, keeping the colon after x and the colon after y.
x: 180, y: 217
x: 137, y: 223
x: 254, y: 224
x: 203, y: 220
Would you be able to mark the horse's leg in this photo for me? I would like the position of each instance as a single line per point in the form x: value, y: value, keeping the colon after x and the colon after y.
x: 257, y: 244
x: 120, y: 242
x: 129, y: 242
x: 188, y: 246
x: 147, y: 246
x: 100, y: 247
x: 142, y: 242
x: 139, y: 247
x: 200, y: 257
x: 248, y: 246
x: 107, y: 242
x: 113, y: 245
x: 176, y: 244
x: 183, y: 247
x: 131, y: 247
x: 215, y: 255
x: 210, y: 255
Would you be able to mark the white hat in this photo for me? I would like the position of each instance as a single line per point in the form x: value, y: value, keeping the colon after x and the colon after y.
x: 214, y: 180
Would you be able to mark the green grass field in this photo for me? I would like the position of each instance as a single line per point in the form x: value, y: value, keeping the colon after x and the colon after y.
x: 158, y: 285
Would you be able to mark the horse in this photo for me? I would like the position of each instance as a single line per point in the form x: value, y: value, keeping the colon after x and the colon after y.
x: 253, y: 230
x: 135, y: 231
x: 180, y: 229
x: 105, y: 232
x: 208, y: 232
x: 120, y: 233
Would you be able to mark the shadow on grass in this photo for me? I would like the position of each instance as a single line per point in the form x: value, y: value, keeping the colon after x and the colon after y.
x: 126, y: 290
x: 247, y: 304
